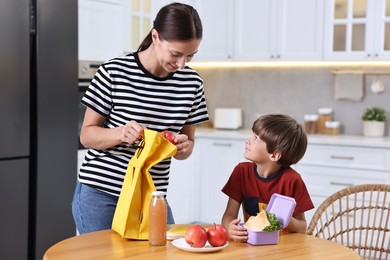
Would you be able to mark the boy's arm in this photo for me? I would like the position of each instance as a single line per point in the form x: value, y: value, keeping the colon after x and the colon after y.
x: 297, y: 223
x: 231, y: 222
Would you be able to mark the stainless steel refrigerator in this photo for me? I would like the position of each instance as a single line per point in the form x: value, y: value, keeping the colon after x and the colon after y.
x: 38, y: 126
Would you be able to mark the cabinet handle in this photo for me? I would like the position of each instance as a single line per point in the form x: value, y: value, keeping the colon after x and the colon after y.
x: 223, y: 144
x: 350, y: 158
x: 340, y: 183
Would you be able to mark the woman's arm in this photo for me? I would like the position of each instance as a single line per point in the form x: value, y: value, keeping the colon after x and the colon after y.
x: 93, y: 135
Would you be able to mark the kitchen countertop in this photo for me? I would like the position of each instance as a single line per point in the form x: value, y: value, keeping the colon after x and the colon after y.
x: 346, y: 140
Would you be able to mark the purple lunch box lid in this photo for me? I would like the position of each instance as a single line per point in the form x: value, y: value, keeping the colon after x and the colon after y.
x: 283, y: 207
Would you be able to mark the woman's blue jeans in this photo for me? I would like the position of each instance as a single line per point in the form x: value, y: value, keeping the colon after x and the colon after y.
x: 93, y: 210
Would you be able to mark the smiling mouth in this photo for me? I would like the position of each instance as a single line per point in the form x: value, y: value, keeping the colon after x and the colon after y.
x: 173, y: 66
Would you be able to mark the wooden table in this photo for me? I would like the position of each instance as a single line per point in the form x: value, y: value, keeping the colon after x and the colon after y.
x: 107, y: 244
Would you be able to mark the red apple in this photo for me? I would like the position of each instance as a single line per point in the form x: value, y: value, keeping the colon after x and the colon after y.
x: 169, y: 136
x: 196, y: 236
x: 217, y: 235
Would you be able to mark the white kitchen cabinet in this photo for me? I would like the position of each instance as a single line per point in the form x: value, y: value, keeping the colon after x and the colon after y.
x: 218, y: 30
x: 331, y: 163
x: 329, y: 168
x: 139, y: 21
x: 183, y: 190
x: 254, y: 30
x: 194, y: 192
x: 102, y: 30
x: 278, y: 30
x: 217, y: 23
x: 218, y: 158
x: 357, y: 30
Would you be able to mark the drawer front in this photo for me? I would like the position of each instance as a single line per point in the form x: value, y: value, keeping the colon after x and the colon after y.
x: 326, y: 180
x: 347, y: 157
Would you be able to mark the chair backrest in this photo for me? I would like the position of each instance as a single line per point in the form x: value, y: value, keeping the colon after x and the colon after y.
x: 357, y: 217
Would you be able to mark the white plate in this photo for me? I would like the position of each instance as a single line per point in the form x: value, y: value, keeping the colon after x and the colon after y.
x: 182, y: 244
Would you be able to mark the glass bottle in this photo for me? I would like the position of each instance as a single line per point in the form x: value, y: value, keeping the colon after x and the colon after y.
x: 325, y: 114
x: 158, y: 219
x: 332, y: 127
x: 311, y: 122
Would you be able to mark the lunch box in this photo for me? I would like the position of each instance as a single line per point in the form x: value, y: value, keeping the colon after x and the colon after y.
x: 283, y: 208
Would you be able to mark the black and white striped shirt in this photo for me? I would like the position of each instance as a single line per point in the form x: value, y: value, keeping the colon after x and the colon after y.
x: 122, y: 90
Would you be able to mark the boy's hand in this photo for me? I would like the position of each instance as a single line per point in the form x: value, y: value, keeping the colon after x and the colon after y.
x: 236, y: 232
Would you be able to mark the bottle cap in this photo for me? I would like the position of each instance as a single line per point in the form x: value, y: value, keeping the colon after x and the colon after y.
x: 310, y: 117
x: 325, y: 111
x: 158, y: 193
x: 332, y: 124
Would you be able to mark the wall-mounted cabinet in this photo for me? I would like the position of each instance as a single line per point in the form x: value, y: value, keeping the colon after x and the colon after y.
x: 102, y: 33
x: 139, y: 21
x: 247, y: 30
x: 278, y: 30
x: 218, y: 30
x: 253, y: 30
x: 357, y: 30
x: 217, y: 21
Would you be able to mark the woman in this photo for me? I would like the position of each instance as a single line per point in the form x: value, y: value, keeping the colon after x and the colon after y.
x: 150, y: 88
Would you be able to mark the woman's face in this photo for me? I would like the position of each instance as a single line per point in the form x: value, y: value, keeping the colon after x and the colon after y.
x: 173, y: 55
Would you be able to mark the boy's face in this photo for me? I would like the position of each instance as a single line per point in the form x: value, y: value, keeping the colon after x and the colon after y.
x: 256, y: 150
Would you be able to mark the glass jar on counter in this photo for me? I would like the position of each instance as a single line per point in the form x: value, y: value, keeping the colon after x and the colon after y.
x: 325, y: 114
x: 332, y: 127
x: 311, y: 122
x: 158, y: 219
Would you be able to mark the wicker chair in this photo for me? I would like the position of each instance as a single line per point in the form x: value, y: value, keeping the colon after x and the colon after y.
x: 357, y: 217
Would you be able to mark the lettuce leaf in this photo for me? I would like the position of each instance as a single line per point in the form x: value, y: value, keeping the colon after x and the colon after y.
x: 276, y: 224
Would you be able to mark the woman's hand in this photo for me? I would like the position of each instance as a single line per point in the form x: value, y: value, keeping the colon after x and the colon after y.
x: 132, y: 132
x: 182, y: 144
x: 236, y: 232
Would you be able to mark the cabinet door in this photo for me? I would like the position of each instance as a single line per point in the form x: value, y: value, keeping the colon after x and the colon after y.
x: 279, y: 30
x: 102, y: 33
x: 357, y: 30
x: 382, y: 30
x: 217, y: 19
x: 323, y: 181
x: 182, y: 196
x: 218, y: 157
x: 138, y: 22
x: 300, y: 30
x: 347, y: 29
x: 255, y: 30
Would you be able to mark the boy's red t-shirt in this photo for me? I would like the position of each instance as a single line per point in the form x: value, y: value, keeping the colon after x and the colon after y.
x: 248, y: 188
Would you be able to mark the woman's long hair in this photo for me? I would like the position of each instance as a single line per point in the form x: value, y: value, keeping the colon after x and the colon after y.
x: 175, y: 22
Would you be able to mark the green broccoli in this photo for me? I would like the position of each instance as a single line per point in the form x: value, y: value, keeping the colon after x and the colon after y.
x: 276, y: 224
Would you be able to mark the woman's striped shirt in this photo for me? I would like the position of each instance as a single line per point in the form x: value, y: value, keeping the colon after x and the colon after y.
x: 122, y: 90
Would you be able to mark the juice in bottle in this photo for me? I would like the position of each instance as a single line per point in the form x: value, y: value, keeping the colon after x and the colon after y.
x: 158, y: 219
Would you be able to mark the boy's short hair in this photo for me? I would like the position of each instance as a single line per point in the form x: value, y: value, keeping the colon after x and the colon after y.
x: 282, y: 133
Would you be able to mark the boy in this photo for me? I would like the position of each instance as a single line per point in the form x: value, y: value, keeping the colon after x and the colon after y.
x: 277, y: 142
